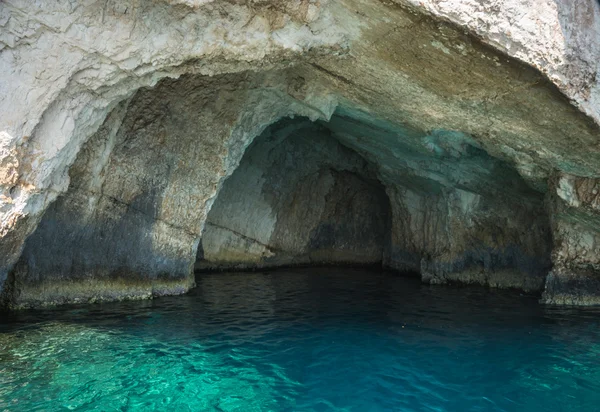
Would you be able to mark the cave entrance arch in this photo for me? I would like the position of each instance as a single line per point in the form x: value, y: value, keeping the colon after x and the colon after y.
x: 298, y: 197
x: 355, y: 189
x: 348, y: 188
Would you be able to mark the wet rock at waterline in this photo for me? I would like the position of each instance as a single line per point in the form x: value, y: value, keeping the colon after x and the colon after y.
x: 138, y: 142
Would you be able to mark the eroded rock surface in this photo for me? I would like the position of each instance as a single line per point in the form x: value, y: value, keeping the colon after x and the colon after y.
x: 298, y: 197
x: 140, y: 190
x: 575, y: 208
x: 479, y: 119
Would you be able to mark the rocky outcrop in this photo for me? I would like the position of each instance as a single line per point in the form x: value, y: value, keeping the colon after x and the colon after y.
x: 122, y: 127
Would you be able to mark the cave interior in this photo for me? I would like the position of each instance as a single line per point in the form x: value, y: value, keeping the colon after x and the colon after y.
x: 201, y: 174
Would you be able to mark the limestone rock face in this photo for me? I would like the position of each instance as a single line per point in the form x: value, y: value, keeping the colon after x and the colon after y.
x: 575, y: 208
x: 455, y: 138
x: 298, y: 197
x: 140, y: 190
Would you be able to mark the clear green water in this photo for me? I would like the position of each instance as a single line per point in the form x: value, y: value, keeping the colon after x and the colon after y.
x: 305, y: 340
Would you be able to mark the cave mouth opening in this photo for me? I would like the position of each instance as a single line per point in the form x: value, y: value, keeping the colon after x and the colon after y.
x: 358, y: 191
x: 299, y: 197
x: 165, y: 186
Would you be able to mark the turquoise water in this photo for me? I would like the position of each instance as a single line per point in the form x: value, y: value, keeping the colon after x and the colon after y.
x: 305, y: 340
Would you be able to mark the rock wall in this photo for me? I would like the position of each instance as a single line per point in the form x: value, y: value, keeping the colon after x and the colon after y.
x: 298, y: 197
x: 574, y: 279
x: 461, y: 236
x: 139, y: 192
x: 458, y: 214
x: 67, y: 65
x: 469, y: 112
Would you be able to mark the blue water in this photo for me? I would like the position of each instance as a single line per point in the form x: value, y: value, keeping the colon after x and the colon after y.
x: 305, y: 340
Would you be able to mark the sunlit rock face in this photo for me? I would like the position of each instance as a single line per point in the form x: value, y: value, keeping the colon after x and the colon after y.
x: 464, y: 133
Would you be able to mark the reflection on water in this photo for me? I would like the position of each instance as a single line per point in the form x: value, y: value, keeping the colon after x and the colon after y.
x: 305, y: 340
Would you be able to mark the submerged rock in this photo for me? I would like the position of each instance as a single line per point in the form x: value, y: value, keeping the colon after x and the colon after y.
x: 456, y: 139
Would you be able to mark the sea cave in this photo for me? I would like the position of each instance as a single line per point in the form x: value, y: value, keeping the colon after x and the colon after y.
x: 360, y: 182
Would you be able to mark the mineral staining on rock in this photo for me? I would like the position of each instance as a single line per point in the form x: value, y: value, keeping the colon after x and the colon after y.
x: 456, y: 139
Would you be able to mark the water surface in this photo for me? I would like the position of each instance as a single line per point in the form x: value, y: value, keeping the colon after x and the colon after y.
x: 305, y: 340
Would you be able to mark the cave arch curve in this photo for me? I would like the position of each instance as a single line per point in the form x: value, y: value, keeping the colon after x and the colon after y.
x: 517, y: 112
x: 141, y: 186
x: 298, y: 197
x: 51, y: 111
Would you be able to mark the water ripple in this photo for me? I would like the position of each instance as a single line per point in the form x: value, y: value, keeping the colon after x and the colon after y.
x: 305, y: 340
